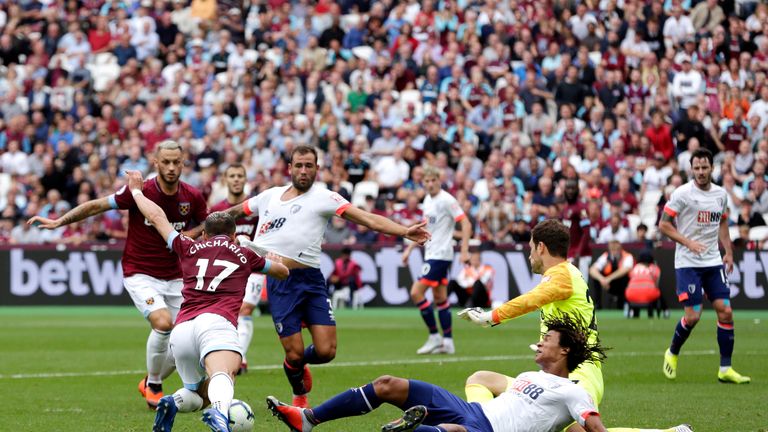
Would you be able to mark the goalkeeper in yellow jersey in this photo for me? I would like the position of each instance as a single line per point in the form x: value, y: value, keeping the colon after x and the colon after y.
x: 562, y: 290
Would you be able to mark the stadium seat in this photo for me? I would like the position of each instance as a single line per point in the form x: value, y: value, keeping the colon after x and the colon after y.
x: 340, y: 297
x: 362, y: 190
x: 758, y: 233
x: 734, y: 230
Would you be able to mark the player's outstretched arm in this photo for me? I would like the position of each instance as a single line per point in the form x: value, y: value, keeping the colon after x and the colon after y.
x: 415, y: 232
x: 84, y: 210
x: 149, y: 209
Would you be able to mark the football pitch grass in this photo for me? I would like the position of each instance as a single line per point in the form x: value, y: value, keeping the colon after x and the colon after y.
x: 77, y: 368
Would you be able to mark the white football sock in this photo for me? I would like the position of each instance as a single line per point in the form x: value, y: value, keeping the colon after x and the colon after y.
x: 221, y: 390
x: 244, y: 333
x: 157, y: 353
x: 187, y: 400
x: 169, y: 365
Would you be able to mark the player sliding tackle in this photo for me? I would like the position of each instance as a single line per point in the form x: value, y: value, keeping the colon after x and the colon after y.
x: 562, y: 290
x: 542, y: 401
x: 215, y: 272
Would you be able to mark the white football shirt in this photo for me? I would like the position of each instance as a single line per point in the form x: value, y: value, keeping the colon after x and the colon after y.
x: 295, y: 228
x: 698, y: 214
x: 442, y: 211
x: 539, y: 402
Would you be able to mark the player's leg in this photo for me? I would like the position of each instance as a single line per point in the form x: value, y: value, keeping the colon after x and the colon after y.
x: 150, y: 302
x: 253, y: 290
x: 428, y: 279
x: 440, y: 271
x: 717, y: 290
x: 173, y: 299
x: 691, y: 294
x: 286, y: 299
x: 185, y: 349
x: 220, y: 354
x: 485, y: 385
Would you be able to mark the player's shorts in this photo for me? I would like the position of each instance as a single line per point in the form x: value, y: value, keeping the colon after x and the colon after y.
x: 588, y: 376
x: 150, y: 294
x: 192, y: 340
x: 445, y: 407
x: 435, y: 273
x: 301, y: 298
x: 694, y: 282
x: 256, y: 283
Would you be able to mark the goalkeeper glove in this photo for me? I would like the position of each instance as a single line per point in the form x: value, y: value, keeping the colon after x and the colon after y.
x: 478, y: 316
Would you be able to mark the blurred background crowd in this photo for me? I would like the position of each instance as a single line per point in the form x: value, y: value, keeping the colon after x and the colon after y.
x: 509, y: 98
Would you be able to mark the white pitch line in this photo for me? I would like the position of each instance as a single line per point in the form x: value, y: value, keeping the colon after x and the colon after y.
x: 423, y: 360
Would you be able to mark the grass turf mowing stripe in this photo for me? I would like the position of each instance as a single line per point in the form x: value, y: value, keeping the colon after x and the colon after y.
x: 425, y: 360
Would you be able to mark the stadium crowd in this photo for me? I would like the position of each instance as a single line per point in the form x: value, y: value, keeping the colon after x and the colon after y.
x: 509, y: 98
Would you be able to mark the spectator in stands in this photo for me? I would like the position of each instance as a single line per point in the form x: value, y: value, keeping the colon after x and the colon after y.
x: 474, y: 283
x: 610, y: 274
x: 614, y: 231
x: 749, y: 217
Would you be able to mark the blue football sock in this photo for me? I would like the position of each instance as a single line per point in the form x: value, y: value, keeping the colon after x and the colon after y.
x: 311, y: 357
x: 682, y: 331
x: 444, y: 314
x: 428, y: 315
x: 353, y: 402
x: 295, y: 377
x: 423, y: 428
x: 725, y: 340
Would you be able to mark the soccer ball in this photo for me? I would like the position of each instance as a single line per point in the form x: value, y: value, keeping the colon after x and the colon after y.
x: 241, y: 416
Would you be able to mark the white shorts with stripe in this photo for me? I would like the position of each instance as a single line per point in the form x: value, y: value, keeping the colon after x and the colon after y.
x: 192, y: 340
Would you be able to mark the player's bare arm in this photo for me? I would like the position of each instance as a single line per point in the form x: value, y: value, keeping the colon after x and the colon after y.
x: 277, y: 269
x: 668, y: 229
x: 415, y: 232
x: 149, y: 209
x: 407, y: 252
x: 83, y: 211
x: 594, y: 424
x: 466, y: 233
x: 237, y: 211
x: 725, y: 240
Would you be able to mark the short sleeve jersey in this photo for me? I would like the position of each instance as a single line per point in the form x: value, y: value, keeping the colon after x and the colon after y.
x: 215, y: 274
x: 576, y: 219
x: 295, y: 228
x: 145, y: 251
x: 697, y: 214
x: 246, y: 225
x: 539, y: 402
x: 442, y: 211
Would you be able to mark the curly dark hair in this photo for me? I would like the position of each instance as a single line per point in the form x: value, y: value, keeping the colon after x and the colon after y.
x: 574, y: 335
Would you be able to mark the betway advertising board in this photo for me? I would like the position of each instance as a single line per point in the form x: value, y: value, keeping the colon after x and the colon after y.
x: 93, y: 276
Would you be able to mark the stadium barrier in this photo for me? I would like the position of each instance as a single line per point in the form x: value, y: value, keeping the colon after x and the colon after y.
x: 92, y: 275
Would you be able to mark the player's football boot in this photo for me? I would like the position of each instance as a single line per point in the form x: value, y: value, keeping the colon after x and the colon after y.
x: 152, y: 397
x: 290, y: 415
x: 166, y: 413
x: 446, y: 348
x: 681, y: 428
x: 300, y: 401
x: 670, y: 365
x: 731, y: 376
x: 307, y: 380
x: 412, y: 417
x: 243, y: 368
x: 434, y: 341
x: 216, y: 420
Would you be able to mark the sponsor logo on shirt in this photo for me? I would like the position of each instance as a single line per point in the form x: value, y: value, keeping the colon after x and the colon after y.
x: 272, y: 225
x: 706, y: 217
